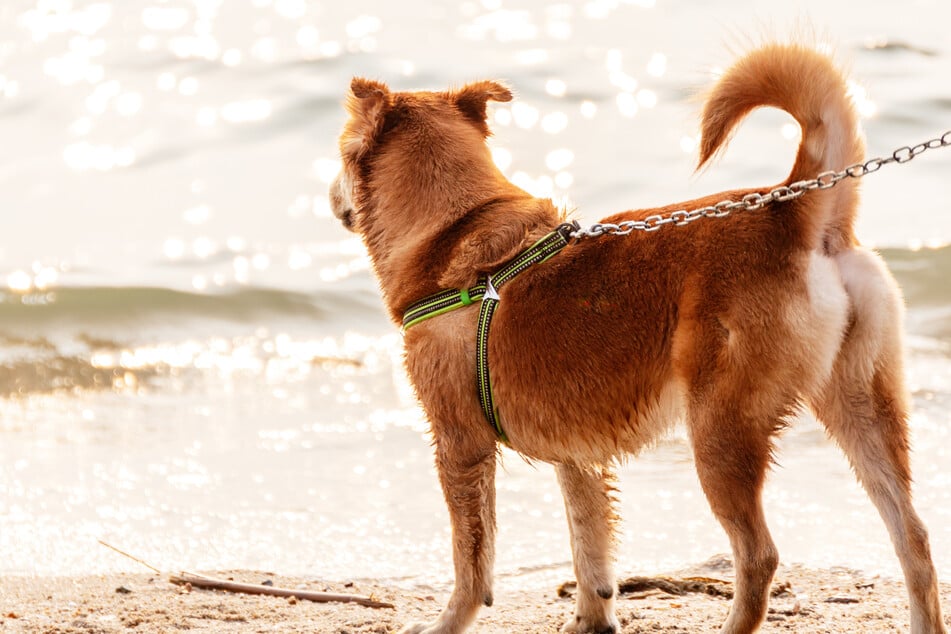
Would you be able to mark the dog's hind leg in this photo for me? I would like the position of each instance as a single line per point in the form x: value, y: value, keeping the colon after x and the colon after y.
x: 864, y: 408
x: 468, y: 483
x: 589, y: 504
x: 732, y: 454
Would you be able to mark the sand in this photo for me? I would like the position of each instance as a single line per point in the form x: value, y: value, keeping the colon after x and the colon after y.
x: 813, y: 601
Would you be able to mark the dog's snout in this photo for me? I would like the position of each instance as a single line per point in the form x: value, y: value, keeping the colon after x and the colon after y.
x: 341, y: 200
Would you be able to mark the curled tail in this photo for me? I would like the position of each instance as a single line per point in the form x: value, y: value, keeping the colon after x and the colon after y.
x: 807, y: 85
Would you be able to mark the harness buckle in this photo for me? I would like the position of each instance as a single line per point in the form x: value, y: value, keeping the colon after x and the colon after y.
x: 490, y: 292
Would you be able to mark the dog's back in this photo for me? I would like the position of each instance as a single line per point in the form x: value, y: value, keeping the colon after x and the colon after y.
x: 753, y: 302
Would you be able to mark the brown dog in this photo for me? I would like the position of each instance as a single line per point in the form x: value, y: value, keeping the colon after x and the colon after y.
x: 730, y: 324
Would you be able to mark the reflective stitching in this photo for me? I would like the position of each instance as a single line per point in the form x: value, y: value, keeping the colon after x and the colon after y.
x: 438, y: 304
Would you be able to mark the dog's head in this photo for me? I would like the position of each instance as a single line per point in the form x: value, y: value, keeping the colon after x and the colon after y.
x: 415, y: 151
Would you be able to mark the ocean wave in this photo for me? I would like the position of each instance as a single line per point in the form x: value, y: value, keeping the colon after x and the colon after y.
x: 124, y: 338
x: 65, y: 306
x: 899, y: 46
x: 923, y: 277
x: 922, y: 274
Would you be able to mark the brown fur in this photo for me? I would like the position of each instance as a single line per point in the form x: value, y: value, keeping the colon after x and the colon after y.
x: 731, y: 324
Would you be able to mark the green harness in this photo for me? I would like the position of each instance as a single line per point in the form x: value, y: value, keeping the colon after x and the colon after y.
x: 487, y: 290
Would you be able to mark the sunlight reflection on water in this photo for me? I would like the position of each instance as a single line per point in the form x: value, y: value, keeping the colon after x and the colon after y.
x: 203, y: 336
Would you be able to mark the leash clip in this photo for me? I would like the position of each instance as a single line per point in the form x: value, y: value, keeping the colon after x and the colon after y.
x: 567, y: 229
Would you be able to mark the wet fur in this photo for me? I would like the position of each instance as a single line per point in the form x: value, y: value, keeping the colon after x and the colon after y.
x: 730, y: 325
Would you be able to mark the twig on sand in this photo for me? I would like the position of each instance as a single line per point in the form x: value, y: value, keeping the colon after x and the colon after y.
x: 135, y: 559
x: 201, y: 581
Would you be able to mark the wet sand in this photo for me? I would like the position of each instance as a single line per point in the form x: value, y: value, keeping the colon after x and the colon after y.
x: 814, y: 601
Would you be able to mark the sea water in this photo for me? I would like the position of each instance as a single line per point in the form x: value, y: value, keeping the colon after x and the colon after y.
x: 194, y: 362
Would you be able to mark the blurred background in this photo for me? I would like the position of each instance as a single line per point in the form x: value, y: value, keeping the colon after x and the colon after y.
x: 194, y: 363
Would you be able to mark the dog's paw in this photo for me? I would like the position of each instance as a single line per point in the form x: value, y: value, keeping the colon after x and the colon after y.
x: 592, y: 625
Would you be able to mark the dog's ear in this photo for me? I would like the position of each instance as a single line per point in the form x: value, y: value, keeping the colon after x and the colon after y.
x: 472, y: 98
x: 363, y: 88
x: 482, y: 252
x: 366, y: 104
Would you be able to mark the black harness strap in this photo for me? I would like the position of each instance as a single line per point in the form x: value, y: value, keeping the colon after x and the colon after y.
x: 487, y: 291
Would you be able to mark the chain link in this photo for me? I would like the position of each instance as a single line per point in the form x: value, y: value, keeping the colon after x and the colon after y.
x: 756, y: 201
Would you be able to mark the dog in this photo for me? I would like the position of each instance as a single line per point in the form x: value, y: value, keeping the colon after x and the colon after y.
x: 730, y: 325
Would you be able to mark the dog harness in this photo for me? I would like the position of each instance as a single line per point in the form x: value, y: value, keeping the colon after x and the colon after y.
x: 487, y: 290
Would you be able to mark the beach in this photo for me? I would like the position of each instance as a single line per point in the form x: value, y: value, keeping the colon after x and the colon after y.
x: 195, y: 363
x: 828, y: 601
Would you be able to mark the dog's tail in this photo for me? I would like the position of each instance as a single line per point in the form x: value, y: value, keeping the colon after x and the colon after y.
x: 807, y: 85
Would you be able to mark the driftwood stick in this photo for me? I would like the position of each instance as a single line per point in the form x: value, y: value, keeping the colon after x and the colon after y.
x: 201, y: 581
x: 676, y: 587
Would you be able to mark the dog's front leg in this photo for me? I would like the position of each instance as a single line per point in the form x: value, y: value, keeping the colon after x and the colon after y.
x: 591, y: 519
x: 468, y: 482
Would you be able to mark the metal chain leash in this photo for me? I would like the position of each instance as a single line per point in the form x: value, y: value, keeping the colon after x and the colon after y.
x: 755, y: 201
